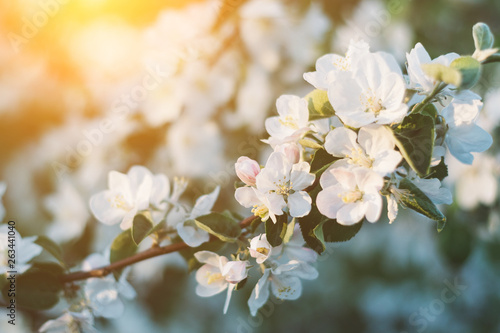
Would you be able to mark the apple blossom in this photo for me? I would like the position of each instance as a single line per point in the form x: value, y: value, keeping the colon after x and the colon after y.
x: 463, y: 136
x: 70, y: 322
x: 292, y: 122
x: 127, y: 195
x: 260, y: 248
x: 372, y: 148
x: 103, y: 294
x: 418, y: 79
x: 284, y: 281
x: 328, y: 65
x: 348, y: 195
x: 218, y: 274
x: 372, y: 92
x: 280, y: 185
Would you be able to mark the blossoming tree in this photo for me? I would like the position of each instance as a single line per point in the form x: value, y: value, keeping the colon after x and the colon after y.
x: 366, y: 131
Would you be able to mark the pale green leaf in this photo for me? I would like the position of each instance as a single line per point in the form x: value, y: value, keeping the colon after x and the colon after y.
x: 319, y: 105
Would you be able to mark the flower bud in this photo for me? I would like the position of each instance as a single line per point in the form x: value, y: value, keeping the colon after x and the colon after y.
x: 247, y: 169
x: 260, y: 248
x: 291, y: 151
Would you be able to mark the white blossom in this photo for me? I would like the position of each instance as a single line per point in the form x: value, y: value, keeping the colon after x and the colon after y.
x: 280, y: 185
x: 104, y: 294
x: 260, y: 248
x: 284, y: 281
x: 372, y: 92
x: 463, y: 136
x: 70, y: 322
x: 372, y: 148
x: 218, y: 274
x: 292, y: 122
x: 24, y: 250
x: 348, y: 195
x: 126, y: 196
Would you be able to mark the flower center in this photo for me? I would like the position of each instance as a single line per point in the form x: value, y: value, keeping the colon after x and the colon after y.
x: 359, y: 157
x: 213, y: 277
x: 352, y: 196
x: 107, y: 296
x: 263, y: 250
x: 283, y: 187
x: 118, y: 201
x: 371, y: 103
x: 342, y: 64
x: 260, y: 211
x: 289, y: 121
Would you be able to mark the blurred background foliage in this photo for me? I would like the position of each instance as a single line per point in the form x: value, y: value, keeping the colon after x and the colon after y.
x: 227, y: 62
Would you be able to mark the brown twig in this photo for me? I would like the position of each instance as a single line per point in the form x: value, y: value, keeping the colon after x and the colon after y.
x: 149, y: 253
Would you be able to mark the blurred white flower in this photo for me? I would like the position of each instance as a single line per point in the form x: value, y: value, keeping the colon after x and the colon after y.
x: 104, y: 294
x: 190, y: 233
x: 70, y: 322
x: 463, y: 136
x: 218, y: 274
x: 127, y: 195
x: 19, y: 249
x: 69, y: 212
x: 328, y: 65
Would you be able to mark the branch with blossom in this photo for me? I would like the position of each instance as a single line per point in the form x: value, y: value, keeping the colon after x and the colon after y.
x: 365, y: 133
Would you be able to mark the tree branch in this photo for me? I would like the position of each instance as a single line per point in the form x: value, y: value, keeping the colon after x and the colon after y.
x: 149, y: 253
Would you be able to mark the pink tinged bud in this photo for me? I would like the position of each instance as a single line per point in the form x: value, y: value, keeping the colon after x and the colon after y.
x: 247, y: 169
x: 291, y: 151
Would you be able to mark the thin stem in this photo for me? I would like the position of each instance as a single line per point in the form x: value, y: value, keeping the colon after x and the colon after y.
x: 141, y: 256
x: 437, y: 89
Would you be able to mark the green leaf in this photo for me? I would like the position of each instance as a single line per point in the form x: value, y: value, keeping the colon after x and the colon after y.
x: 123, y: 246
x: 321, y: 161
x: 188, y: 253
x: 319, y: 105
x: 443, y: 73
x: 470, y: 70
x: 429, y: 110
x: 38, y: 288
x: 275, y: 232
x: 419, y: 202
x: 483, y: 38
x: 440, y: 171
x: 289, y: 231
x: 219, y: 225
x: 310, y: 222
x: 415, y: 140
x: 331, y: 231
x: 492, y: 58
x: 141, y: 228
x: 51, y: 247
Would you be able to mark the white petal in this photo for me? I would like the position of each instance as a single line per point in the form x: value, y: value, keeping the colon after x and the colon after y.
x: 463, y: 140
x: 351, y: 213
x: 103, y: 209
x: 192, y: 236
x: 299, y: 204
x: 286, y: 287
x: 205, y: 203
x: 260, y: 294
x: 341, y: 141
x: 329, y: 202
x: 207, y: 257
x: 228, y: 297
